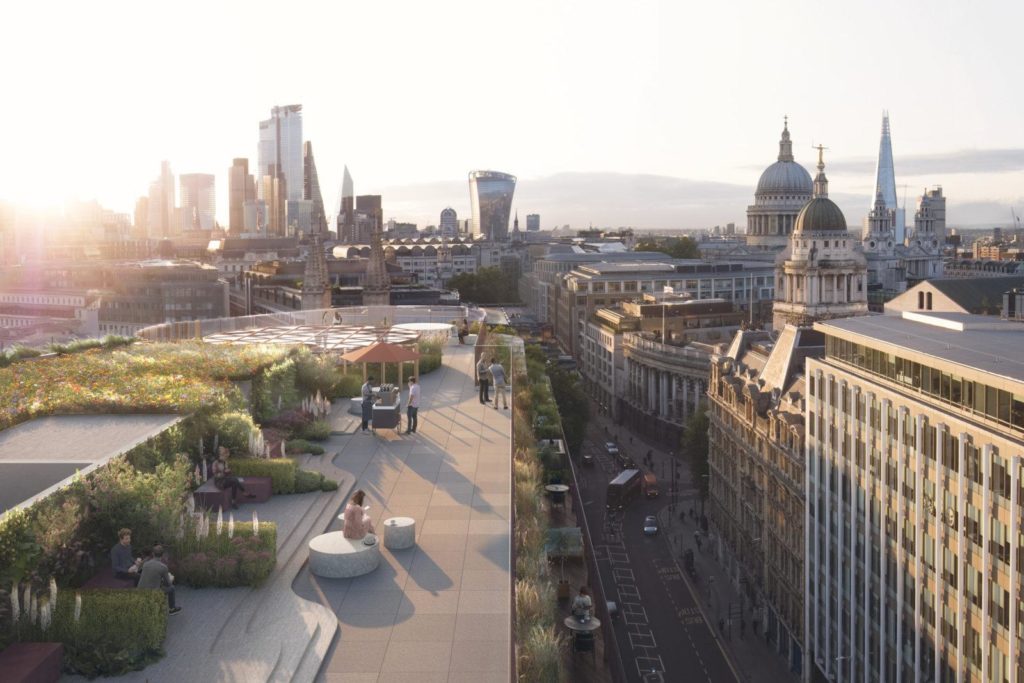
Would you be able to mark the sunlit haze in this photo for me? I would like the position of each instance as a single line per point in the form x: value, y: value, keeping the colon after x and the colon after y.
x: 411, y: 94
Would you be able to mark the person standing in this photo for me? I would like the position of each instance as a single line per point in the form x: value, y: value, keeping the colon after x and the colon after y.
x: 414, y: 406
x: 484, y: 375
x: 155, y: 575
x: 498, y: 375
x: 367, y: 405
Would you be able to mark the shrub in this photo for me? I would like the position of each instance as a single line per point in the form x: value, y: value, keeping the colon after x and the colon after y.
x: 313, y: 374
x: 318, y: 430
x: 348, y: 386
x: 289, y: 421
x: 120, y: 630
x: 280, y: 470
x: 298, y: 446
x: 540, y: 654
x: 306, y: 481
x: 430, y: 356
x: 244, y: 559
x: 274, y: 388
x: 328, y: 485
x: 233, y: 429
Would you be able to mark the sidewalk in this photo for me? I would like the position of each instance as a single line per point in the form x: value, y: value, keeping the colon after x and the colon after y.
x: 753, y: 657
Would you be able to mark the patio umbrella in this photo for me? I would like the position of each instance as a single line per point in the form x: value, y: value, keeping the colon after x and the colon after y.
x: 384, y: 352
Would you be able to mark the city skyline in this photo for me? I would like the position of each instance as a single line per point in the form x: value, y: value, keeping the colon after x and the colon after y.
x: 563, y: 107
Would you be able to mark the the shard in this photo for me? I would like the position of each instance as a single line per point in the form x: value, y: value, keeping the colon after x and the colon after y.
x: 885, y: 181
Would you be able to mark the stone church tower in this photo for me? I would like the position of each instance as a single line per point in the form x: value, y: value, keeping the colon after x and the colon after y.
x: 822, y: 273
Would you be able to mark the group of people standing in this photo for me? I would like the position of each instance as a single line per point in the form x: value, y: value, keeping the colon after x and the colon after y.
x: 412, y: 406
x: 488, y: 372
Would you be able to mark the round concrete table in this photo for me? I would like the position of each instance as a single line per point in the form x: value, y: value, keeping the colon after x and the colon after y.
x: 574, y: 624
x: 399, y: 533
x: 333, y: 556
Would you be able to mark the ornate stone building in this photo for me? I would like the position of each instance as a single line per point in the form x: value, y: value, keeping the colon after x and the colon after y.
x: 782, y: 191
x: 756, y: 413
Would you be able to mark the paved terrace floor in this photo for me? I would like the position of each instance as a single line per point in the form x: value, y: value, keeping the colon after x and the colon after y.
x: 439, y: 611
x: 436, y: 612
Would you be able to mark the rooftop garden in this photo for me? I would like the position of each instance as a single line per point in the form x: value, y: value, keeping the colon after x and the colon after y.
x: 52, y: 552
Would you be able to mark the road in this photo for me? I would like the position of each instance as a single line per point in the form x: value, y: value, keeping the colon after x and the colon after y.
x: 662, y: 632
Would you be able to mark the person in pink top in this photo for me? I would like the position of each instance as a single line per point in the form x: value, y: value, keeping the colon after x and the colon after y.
x: 357, y: 522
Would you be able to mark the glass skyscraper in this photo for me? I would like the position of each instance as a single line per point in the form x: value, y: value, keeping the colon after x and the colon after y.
x: 198, y: 203
x: 280, y: 150
x: 490, y: 195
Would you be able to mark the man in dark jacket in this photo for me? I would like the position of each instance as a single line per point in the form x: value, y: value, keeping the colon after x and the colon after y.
x: 155, y: 574
x: 122, y: 560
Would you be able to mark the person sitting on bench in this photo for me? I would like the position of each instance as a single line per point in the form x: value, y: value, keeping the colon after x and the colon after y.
x: 223, y: 479
x: 122, y: 561
x: 156, y: 575
x: 357, y: 522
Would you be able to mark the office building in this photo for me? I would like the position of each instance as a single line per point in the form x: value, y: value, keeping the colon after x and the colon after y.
x: 311, y: 190
x: 914, y: 439
x: 369, y: 218
x: 885, y: 183
x: 532, y: 222
x: 280, y: 150
x: 198, y: 201
x: 490, y: 196
x: 449, y: 225
x: 161, y: 204
x: 345, y: 220
x: 241, y: 189
x: 299, y: 217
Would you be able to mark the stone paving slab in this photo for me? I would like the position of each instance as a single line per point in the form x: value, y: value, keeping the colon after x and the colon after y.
x: 421, y: 615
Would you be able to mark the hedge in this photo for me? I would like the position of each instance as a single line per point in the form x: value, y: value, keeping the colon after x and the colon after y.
x: 299, y: 446
x: 280, y: 470
x: 306, y: 481
x: 120, y: 630
x: 244, y: 559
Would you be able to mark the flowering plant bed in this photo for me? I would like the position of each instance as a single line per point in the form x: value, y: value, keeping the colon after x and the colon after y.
x: 234, y: 556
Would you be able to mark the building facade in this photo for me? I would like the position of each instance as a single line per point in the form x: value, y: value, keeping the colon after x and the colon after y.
x: 490, y: 197
x: 241, y: 189
x: 915, y: 435
x: 198, y: 201
x: 449, y: 224
x: 533, y: 222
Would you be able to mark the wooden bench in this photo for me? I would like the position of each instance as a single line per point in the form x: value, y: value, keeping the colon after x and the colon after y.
x: 209, y: 497
x: 31, y: 662
x: 105, y: 578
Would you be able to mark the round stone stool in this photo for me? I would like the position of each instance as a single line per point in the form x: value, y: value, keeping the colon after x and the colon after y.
x: 355, y: 406
x: 333, y: 556
x: 399, y: 533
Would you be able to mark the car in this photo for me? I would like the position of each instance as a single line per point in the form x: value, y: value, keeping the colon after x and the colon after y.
x: 588, y: 459
x: 610, y: 446
x: 650, y: 525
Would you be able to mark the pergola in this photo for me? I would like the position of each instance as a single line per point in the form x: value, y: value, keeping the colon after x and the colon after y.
x: 383, y: 352
x: 320, y: 338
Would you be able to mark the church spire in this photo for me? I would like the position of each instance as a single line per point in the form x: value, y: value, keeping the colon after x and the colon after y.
x: 821, y: 182
x: 785, y: 145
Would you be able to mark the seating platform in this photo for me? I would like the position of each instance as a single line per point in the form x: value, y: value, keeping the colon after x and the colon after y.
x: 209, y: 497
x: 333, y: 556
x: 31, y: 662
x: 105, y: 578
x: 399, y: 533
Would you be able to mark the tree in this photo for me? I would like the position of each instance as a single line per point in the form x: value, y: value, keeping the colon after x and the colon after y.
x: 694, y: 447
x: 573, y: 407
x: 676, y: 247
x: 486, y: 286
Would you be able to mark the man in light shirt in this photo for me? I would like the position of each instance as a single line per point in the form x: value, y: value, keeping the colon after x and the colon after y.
x: 498, y: 376
x: 414, y: 406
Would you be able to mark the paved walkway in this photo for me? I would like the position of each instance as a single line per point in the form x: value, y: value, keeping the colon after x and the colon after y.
x: 439, y: 611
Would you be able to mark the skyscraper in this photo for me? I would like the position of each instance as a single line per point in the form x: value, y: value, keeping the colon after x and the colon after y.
x: 532, y: 222
x: 885, y: 181
x: 449, y: 225
x: 241, y: 189
x: 311, y: 189
x: 370, y: 209
x: 280, y: 150
x: 345, y: 219
x: 198, y: 201
x: 490, y: 196
x: 161, y: 204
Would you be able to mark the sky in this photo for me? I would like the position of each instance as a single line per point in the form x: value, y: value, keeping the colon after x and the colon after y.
x: 644, y: 113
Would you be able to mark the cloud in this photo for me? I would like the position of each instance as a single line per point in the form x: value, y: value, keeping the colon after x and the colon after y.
x: 963, y: 161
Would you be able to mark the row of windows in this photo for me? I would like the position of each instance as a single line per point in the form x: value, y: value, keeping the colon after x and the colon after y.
x: 974, y: 397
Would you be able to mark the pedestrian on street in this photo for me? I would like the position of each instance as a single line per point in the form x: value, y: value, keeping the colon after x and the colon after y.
x: 721, y: 625
x: 743, y: 626
x: 413, y: 407
x: 754, y: 624
x: 498, y: 375
x: 484, y: 375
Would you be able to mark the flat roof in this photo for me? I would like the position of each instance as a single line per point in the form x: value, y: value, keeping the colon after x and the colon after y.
x: 41, y: 455
x: 983, y: 343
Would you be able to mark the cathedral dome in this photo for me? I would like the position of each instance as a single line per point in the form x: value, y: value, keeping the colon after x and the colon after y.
x: 820, y: 214
x: 785, y: 176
